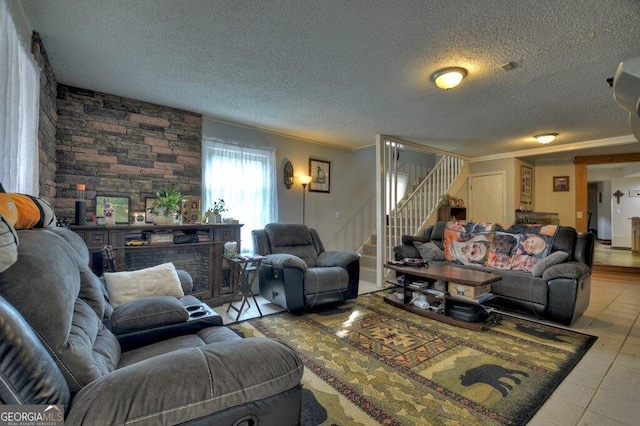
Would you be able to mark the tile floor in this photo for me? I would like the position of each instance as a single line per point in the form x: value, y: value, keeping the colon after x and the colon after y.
x: 603, y: 388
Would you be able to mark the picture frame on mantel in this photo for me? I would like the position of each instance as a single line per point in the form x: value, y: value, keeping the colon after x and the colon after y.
x: 114, y: 209
x: 320, y: 172
x: 526, y: 177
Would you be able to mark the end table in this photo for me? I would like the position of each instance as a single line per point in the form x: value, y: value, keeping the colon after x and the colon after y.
x: 243, y: 270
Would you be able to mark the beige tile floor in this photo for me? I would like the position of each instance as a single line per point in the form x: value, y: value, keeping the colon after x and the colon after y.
x: 603, y: 388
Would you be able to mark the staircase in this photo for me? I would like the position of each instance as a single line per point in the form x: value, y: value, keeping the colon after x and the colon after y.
x: 411, y: 214
x: 368, y: 260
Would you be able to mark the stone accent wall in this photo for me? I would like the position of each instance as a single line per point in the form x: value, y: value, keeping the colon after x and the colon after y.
x: 48, y: 121
x: 123, y: 147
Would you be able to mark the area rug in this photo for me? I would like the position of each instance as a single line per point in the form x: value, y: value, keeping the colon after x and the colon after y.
x: 367, y: 362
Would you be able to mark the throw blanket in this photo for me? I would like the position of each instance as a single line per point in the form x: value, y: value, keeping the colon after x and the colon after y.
x: 498, y: 246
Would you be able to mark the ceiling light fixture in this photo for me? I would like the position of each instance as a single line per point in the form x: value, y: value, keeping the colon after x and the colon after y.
x: 546, y: 138
x: 448, y: 78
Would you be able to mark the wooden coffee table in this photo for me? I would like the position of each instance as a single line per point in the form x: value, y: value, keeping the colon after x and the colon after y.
x: 443, y: 273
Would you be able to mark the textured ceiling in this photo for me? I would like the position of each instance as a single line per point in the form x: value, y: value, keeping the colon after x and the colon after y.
x: 341, y: 72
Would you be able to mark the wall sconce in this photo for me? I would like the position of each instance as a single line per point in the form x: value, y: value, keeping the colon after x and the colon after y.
x: 304, y: 180
x: 288, y: 175
x: 448, y: 78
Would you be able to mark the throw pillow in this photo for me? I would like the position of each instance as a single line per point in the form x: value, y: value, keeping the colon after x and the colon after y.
x: 429, y: 251
x: 161, y: 280
x: 25, y: 211
x: 8, y: 244
x: 553, y: 259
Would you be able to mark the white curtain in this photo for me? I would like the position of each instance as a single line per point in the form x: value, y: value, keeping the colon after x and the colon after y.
x: 19, y: 110
x: 245, y: 178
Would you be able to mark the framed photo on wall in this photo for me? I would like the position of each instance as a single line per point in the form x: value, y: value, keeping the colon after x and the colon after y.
x: 526, y: 177
x: 560, y: 183
x: 320, y: 172
x: 148, y: 202
x: 115, y: 210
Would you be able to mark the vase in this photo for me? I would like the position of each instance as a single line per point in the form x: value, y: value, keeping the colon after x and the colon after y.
x: 215, y: 218
x: 160, y: 219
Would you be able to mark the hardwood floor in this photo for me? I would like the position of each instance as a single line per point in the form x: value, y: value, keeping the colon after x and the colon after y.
x: 608, y: 260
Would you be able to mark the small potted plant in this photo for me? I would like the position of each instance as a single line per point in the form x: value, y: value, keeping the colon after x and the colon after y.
x: 167, y: 205
x: 215, y: 212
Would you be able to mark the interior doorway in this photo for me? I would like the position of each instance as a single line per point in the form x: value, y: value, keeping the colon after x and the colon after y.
x: 613, y: 260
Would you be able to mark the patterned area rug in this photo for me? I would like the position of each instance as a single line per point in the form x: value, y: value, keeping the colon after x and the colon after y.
x: 368, y: 362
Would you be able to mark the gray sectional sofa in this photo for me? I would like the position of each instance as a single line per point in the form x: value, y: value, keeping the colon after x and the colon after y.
x: 55, y: 349
x: 561, y: 294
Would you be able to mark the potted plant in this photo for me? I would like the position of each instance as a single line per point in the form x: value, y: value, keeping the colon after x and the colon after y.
x: 214, y: 212
x: 167, y: 204
x: 445, y: 200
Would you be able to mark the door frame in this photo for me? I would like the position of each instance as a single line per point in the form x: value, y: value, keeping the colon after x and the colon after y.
x: 581, y: 164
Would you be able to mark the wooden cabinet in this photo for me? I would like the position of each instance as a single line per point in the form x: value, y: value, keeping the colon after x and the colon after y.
x: 202, y: 259
x: 452, y: 213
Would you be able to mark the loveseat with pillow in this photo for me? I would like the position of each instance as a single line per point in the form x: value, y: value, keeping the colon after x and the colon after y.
x: 55, y: 349
x: 546, y: 270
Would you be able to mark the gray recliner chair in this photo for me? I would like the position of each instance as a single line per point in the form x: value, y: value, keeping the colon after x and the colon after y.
x: 55, y: 349
x: 298, y: 273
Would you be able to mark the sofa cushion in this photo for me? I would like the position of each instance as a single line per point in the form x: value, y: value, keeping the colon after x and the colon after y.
x: 429, y: 251
x: 160, y: 280
x: 48, y: 270
x: 292, y: 239
x: 553, y: 259
x: 522, y: 286
x: 147, y: 313
x: 29, y: 373
x: 8, y: 244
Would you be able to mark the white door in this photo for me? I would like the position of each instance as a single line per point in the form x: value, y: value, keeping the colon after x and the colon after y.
x: 487, y: 198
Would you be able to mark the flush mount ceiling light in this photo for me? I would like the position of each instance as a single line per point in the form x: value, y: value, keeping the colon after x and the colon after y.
x: 448, y: 78
x: 546, y: 138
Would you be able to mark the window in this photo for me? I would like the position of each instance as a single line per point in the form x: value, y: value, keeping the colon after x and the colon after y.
x: 19, y: 110
x: 245, y: 178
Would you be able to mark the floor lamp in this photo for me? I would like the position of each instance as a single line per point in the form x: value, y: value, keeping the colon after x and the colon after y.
x: 304, y: 180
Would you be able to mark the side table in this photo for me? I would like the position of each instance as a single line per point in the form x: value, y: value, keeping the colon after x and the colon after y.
x: 243, y: 272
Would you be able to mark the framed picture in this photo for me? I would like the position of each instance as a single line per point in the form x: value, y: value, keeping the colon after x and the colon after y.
x: 320, y: 172
x: 526, y: 176
x: 560, y: 183
x: 191, y: 210
x: 148, y: 202
x: 114, y: 209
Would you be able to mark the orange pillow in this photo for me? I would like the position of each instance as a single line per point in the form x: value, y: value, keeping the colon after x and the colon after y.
x: 25, y: 212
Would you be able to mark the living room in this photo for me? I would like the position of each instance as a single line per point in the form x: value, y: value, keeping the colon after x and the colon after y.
x: 112, y: 141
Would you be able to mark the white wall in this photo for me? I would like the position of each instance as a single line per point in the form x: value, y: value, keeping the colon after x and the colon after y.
x: 352, y: 180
